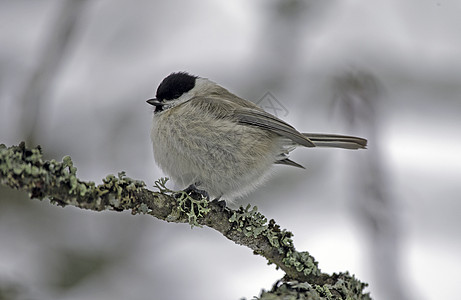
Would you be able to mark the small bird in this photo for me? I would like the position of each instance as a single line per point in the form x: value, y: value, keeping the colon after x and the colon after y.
x: 212, y: 141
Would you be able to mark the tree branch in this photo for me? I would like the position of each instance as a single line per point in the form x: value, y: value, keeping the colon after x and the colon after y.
x: 24, y: 169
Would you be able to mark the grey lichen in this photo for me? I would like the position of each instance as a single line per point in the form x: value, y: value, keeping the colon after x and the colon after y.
x: 36, y: 176
x: 50, y: 178
x: 120, y: 190
x: 187, y: 205
x: 344, y: 287
x: 24, y: 169
x: 252, y: 223
x: 249, y: 222
x: 302, y: 261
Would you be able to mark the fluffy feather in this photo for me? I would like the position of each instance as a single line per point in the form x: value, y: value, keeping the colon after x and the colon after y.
x: 224, y: 144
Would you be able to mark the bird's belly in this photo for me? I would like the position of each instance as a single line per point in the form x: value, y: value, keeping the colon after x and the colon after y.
x: 224, y: 159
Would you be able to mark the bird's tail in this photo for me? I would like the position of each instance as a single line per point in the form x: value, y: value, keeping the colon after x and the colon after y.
x: 336, y: 141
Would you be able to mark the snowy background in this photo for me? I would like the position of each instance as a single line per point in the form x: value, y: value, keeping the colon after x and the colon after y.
x: 74, y: 77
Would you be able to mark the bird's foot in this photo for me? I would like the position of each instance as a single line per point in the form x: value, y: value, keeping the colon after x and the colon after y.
x: 221, y: 203
x: 195, y: 193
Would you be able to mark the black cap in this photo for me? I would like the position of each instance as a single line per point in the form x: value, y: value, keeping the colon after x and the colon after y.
x: 174, y: 85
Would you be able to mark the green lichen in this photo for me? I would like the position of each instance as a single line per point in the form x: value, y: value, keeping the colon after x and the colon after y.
x: 349, y: 286
x: 24, y: 168
x: 345, y: 287
x: 120, y: 191
x: 188, y: 206
x: 249, y: 222
x: 192, y: 208
x: 324, y: 291
x: 252, y: 223
x: 160, y: 184
x: 302, y: 261
x: 291, y: 290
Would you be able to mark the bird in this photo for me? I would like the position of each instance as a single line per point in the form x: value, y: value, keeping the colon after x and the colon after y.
x: 213, y: 142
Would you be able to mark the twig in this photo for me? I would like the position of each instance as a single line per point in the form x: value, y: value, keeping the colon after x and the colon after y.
x: 24, y: 169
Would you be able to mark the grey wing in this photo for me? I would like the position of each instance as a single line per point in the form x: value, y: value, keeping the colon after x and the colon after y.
x: 246, y: 114
x: 272, y: 123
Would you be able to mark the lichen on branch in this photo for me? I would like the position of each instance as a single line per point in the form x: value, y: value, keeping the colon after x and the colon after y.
x: 24, y: 169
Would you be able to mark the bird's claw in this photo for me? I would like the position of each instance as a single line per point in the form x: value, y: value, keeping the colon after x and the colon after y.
x: 195, y: 193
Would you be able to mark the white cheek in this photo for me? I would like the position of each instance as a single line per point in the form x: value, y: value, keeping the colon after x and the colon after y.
x: 184, y: 97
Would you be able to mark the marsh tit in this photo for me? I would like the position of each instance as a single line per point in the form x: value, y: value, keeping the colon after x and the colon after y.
x: 210, y: 139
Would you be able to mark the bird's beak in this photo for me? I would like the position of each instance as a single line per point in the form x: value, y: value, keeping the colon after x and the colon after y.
x: 155, y: 102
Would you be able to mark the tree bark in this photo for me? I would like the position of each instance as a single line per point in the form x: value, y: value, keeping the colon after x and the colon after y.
x: 24, y: 169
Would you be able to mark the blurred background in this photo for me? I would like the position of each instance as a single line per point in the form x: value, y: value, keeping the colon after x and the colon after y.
x: 74, y: 77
